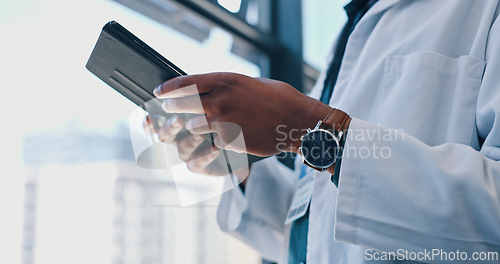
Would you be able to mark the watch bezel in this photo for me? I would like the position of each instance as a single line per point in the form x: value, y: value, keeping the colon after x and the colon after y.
x: 337, y: 146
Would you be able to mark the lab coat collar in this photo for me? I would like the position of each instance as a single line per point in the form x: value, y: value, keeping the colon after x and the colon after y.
x: 379, y: 7
x: 355, y: 6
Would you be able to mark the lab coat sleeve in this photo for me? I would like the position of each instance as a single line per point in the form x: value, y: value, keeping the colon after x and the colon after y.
x: 257, y: 216
x: 400, y: 193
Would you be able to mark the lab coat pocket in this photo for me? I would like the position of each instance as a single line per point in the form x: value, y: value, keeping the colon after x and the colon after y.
x: 431, y: 96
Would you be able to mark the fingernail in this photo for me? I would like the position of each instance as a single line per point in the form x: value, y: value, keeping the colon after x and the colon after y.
x: 197, y: 137
x: 164, y: 106
x: 157, y: 90
x: 189, y: 125
x: 174, y: 121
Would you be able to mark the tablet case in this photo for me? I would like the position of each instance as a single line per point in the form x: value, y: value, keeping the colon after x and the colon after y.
x: 134, y: 69
x: 129, y: 65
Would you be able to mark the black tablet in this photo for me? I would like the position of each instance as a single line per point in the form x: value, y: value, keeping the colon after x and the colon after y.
x: 134, y: 69
x: 129, y: 65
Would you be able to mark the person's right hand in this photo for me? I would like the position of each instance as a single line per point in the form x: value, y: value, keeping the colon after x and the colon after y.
x: 196, y: 151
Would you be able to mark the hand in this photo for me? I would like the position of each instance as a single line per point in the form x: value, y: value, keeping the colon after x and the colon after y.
x: 198, y: 153
x: 271, y: 114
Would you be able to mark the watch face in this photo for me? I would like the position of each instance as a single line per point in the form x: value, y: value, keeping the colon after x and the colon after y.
x: 319, y: 148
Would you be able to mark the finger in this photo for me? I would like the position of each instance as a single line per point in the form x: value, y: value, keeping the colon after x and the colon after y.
x: 167, y: 90
x: 152, y: 123
x: 190, y: 104
x: 200, y: 164
x: 147, y: 126
x: 232, y: 146
x: 189, y: 145
x: 199, y: 125
x: 189, y: 85
x: 219, y: 143
x: 169, y: 131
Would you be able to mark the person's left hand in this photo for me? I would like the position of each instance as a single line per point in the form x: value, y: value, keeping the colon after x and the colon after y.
x: 271, y: 114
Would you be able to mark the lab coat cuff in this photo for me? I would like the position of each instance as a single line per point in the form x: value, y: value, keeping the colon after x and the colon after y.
x: 231, y: 207
x: 235, y: 202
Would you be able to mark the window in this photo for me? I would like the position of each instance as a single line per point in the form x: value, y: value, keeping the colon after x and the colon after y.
x: 71, y: 191
x: 323, y: 21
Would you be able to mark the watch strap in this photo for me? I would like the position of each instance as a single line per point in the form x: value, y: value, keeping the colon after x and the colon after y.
x: 335, y: 122
x: 310, y: 166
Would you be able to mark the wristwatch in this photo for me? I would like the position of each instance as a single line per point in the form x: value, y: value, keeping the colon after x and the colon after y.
x: 320, y: 146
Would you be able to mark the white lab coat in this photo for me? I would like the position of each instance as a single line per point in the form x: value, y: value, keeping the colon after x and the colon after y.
x: 430, y: 69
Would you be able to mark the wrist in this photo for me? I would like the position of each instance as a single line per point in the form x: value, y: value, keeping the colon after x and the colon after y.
x: 337, y: 121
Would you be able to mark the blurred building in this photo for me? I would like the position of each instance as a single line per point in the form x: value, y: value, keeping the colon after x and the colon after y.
x: 148, y: 224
